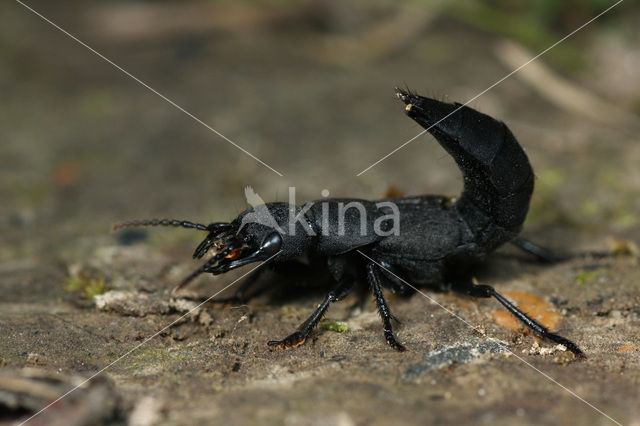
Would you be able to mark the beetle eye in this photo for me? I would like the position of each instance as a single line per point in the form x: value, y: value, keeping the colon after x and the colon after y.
x: 271, y: 245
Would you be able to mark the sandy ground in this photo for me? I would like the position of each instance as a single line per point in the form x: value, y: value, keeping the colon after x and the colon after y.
x: 309, y: 91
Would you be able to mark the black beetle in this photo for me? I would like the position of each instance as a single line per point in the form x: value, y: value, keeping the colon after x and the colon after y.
x: 435, y: 242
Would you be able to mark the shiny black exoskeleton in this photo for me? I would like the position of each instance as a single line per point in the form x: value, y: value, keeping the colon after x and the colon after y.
x: 435, y: 241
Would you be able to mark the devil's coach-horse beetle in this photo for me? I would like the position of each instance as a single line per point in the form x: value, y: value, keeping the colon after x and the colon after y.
x: 439, y: 238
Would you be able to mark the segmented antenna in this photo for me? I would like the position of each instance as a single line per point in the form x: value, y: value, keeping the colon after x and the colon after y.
x: 159, y: 222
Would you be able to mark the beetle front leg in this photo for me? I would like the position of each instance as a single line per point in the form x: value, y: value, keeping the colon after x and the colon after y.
x: 484, y: 291
x: 340, y: 291
x: 240, y: 295
x: 383, y: 308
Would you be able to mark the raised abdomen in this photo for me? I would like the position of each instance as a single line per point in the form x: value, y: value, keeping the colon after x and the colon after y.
x: 498, y: 179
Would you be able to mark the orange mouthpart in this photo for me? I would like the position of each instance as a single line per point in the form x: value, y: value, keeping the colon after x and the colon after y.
x: 234, y: 254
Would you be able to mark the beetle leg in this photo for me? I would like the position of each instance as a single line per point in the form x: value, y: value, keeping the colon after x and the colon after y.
x: 392, y: 282
x: 543, y: 255
x: 383, y: 308
x: 546, y: 256
x: 288, y: 267
x: 240, y: 294
x: 484, y: 291
x: 340, y: 291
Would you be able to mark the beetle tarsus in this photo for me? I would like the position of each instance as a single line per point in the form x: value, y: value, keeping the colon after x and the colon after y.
x: 292, y: 341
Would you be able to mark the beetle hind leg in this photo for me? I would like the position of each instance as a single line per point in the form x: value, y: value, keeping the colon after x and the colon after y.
x: 545, y: 256
x: 485, y: 291
x: 541, y: 254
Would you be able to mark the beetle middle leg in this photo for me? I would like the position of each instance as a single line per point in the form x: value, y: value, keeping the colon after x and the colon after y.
x: 485, y: 291
x: 383, y: 308
x: 340, y: 291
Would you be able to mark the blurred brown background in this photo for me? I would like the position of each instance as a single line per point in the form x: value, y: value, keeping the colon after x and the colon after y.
x: 307, y: 87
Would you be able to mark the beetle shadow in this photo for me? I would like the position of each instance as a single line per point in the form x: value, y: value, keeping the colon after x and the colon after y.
x: 306, y: 284
x: 279, y: 288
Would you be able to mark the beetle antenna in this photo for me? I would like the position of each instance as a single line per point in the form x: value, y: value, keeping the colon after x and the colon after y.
x: 159, y: 222
x: 188, y: 279
x: 200, y: 270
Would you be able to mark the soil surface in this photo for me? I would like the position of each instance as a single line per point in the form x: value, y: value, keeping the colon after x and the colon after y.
x: 309, y: 90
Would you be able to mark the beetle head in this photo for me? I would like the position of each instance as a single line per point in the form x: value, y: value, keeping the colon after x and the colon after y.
x: 257, y: 234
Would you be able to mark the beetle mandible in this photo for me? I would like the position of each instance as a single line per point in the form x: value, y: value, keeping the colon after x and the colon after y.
x: 439, y: 238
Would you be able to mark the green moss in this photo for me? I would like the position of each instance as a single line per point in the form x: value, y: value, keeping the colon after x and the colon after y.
x: 586, y: 276
x: 590, y: 208
x: 626, y: 220
x: 86, y: 286
x: 145, y: 357
x: 337, y: 326
x: 550, y: 178
x: 168, y: 359
x: 621, y: 214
